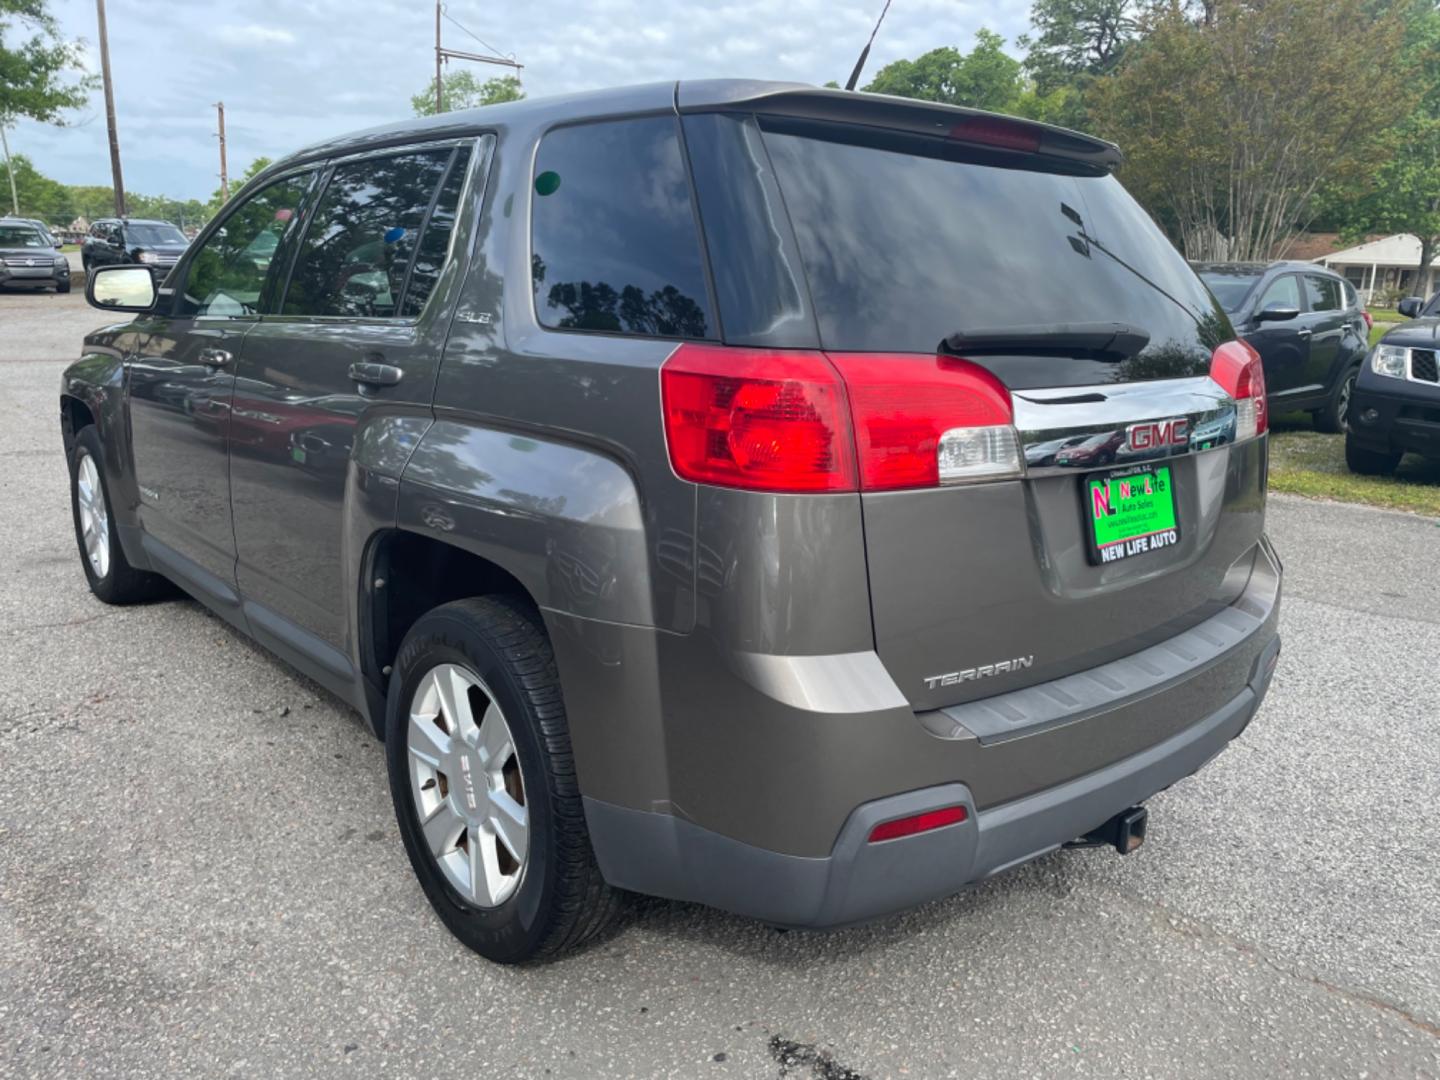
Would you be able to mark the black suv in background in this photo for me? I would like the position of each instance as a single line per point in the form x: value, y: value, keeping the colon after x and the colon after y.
x: 29, y: 257
x: 1307, y: 324
x: 1396, y: 407
x: 121, y: 241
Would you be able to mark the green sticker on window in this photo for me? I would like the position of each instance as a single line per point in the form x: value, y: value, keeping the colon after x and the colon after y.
x: 547, y: 183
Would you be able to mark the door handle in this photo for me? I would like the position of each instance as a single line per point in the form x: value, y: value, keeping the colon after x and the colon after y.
x: 1303, y: 333
x: 215, y: 358
x: 373, y: 373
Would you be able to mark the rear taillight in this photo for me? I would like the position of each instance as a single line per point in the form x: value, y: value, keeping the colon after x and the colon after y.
x: 1236, y: 367
x: 795, y: 421
x: 1369, y: 319
x: 766, y: 420
x: 927, y: 420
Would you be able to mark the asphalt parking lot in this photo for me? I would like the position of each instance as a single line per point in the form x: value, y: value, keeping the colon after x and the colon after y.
x: 200, y: 874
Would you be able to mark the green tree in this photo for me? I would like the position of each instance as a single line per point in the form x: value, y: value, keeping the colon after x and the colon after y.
x: 35, y: 63
x: 462, y: 90
x: 217, y: 198
x: 1402, y: 193
x: 1078, y: 40
x: 984, y: 78
x: 1232, y: 119
x: 36, y: 196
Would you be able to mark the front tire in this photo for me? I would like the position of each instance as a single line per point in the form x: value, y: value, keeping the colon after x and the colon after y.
x: 483, y: 781
x: 1334, y: 416
x: 63, y: 287
x: 108, y: 572
x: 1370, y: 462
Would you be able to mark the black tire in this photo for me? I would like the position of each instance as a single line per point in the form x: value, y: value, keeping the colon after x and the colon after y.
x: 63, y: 287
x: 1370, y: 462
x: 561, y: 899
x: 120, y: 583
x: 1331, y: 418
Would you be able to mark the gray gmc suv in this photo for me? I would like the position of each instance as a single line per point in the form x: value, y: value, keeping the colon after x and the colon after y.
x: 684, y: 482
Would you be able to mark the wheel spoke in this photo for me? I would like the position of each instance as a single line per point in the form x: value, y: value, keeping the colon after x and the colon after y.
x: 511, y: 823
x: 427, y: 742
x: 485, y: 876
x: 442, y: 829
x: 494, y: 745
x: 454, y: 690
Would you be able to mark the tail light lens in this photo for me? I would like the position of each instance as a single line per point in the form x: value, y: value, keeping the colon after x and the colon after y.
x: 1236, y: 367
x: 794, y: 421
x: 927, y: 420
x: 765, y: 420
x: 909, y: 826
x: 1369, y: 319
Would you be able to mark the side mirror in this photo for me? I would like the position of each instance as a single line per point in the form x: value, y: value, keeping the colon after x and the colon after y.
x: 1410, y: 306
x: 1276, y: 313
x: 121, y: 288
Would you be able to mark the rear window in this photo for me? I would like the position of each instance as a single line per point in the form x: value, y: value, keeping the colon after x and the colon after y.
x: 1324, y: 292
x: 615, y: 243
x: 1230, y: 287
x: 906, y: 243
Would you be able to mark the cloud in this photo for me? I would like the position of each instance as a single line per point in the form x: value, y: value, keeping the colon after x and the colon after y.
x: 253, y: 35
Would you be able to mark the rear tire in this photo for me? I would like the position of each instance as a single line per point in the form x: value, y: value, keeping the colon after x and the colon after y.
x: 1333, y: 416
x: 1370, y: 462
x: 108, y: 572
x: 544, y: 894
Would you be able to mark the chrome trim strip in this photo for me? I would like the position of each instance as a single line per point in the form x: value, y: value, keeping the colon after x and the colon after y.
x: 1086, y: 427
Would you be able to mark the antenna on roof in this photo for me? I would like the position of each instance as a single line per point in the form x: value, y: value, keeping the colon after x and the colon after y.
x: 865, y: 52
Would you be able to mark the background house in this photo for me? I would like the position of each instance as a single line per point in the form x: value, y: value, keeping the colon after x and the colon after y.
x: 1382, y: 269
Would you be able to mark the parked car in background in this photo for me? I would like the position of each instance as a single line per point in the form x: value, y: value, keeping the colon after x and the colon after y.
x: 29, y: 257
x: 1396, y: 406
x: 679, y: 478
x: 1307, y: 324
x: 122, y: 241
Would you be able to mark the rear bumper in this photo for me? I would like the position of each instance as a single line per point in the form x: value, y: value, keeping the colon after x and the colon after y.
x: 774, y: 823
x: 662, y: 855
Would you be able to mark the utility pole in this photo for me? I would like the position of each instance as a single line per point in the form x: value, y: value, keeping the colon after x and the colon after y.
x: 110, y: 112
x: 224, y: 177
x: 444, y: 54
x: 9, y: 170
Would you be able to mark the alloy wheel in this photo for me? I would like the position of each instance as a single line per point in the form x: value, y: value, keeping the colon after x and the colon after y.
x: 466, y: 785
x: 1342, y: 407
x: 94, y: 519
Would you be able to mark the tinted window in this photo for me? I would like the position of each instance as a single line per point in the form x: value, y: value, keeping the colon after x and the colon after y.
x: 21, y: 236
x: 435, y: 242
x: 227, y: 275
x: 1230, y: 286
x: 1324, y: 293
x: 907, y: 242
x: 154, y: 234
x: 362, y: 236
x: 1284, y: 291
x: 615, y: 246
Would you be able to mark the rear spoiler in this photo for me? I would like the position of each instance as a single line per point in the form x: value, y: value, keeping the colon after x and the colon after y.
x: 989, y: 129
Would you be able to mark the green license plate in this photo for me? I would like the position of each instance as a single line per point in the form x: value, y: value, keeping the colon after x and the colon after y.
x: 1130, y: 512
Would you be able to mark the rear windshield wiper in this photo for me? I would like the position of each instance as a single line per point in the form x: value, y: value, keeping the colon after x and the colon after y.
x: 1095, y: 339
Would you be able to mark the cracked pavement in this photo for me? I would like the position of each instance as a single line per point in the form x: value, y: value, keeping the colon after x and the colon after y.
x: 200, y: 873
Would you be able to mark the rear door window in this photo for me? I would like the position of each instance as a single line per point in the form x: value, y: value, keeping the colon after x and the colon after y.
x: 614, y: 243
x: 1323, y: 292
x: 907, y: 241
x: 356, y: 255
x: 434, y: 248
x: 1284, y: 291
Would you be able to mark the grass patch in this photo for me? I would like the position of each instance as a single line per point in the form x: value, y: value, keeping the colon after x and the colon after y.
x: 1305, y: 462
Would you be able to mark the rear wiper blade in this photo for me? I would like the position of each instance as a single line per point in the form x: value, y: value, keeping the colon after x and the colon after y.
x: 1099, y: 338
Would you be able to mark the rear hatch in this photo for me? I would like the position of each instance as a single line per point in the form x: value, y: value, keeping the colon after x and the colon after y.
x: 1044, y: 271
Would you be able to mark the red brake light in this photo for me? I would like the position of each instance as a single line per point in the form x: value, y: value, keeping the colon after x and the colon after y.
x: 1369, y: 319
x: 904, y: 406
x: 1236, y: 367
x: 993, y: 131
x: 909, y: 826
x: 781, y: 420
x: 765, y: 420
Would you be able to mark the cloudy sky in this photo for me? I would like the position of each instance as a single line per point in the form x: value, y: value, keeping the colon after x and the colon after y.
x: 294, y: 71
